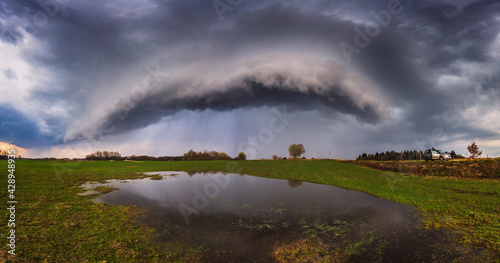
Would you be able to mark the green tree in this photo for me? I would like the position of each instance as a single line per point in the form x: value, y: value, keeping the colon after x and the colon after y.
x: 296, y: 150
x: 224, y: 156
x: 241, y: 156
x: 190, y: 156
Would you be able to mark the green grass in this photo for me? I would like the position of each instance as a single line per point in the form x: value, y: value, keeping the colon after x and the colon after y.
x: 57, y: 225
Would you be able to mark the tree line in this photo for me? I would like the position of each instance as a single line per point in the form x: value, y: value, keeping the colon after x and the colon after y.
x: 153, y: 158
x: 403, y: 155
x: 211, y: 155
x: 4, y: 155
x: 189, y: 156
x: 105, y: 156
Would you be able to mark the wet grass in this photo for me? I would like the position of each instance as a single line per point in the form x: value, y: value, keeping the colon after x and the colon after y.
x: 105, y: 189
x: 156, y: 177
x: 305, y: 250
x: 57, y: 225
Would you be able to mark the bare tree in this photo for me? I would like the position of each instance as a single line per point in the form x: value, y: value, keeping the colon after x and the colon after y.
x: 474, y: 151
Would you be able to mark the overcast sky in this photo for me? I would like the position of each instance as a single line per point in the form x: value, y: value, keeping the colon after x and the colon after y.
x: 162, y: 77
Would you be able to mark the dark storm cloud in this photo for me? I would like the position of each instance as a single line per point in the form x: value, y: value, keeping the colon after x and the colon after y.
x: 467, y: 31
x: 448, y: 35
x: 96, y: 46
x: 17, y: 129
x: 251, y: 95
x: 90, y: 50
x: 9, y: 35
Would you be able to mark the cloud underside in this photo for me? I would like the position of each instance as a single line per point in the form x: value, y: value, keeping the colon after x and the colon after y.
x: 254, y: 95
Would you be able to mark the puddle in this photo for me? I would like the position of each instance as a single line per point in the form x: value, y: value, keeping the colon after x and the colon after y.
x: 241, y: 218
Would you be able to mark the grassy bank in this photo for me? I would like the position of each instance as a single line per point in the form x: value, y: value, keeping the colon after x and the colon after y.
x: 479, y: 168
x: 57, y: 225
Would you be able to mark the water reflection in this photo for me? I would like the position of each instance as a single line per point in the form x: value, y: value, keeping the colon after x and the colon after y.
x: 246, y: 217
x: 294, y: 183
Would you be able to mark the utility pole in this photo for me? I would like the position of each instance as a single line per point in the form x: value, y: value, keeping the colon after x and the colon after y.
x: 328, y: 155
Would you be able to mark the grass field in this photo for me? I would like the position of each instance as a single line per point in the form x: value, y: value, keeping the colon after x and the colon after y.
x: 54, y: 224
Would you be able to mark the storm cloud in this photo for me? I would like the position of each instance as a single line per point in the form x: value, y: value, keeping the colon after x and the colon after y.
x: 95, y: 69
